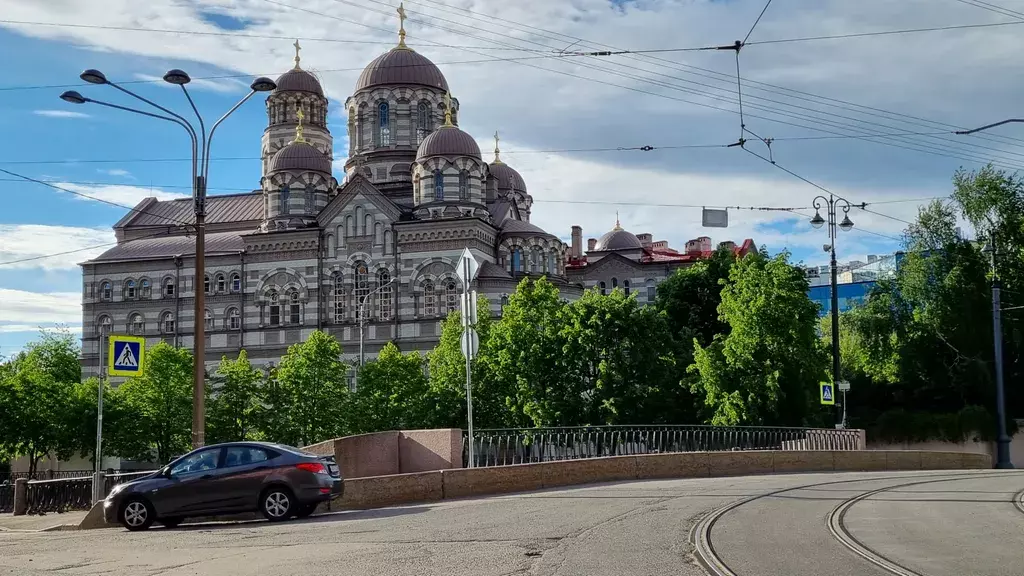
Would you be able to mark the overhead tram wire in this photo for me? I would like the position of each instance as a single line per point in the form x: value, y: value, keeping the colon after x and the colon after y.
x: 756, y: 22
x: 934, y: 147
x: 720, y: 77
x: 84, y: 249
x: 992, y: 8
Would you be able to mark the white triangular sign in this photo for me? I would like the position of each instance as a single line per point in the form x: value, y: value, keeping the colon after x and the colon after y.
x: 126, y: 359
x: 826, y: 393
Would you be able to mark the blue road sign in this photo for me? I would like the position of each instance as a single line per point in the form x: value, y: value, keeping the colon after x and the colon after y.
x: 828, y: 393
x: 126, y: 355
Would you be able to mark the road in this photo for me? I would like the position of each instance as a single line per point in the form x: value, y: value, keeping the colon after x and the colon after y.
x: 929, y: 523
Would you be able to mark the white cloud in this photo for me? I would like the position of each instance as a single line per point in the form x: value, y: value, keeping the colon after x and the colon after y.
x: 21, y: 241
x: 121, y: 172
x: 9, y: 328
x: 60, y: 114
x: 33, y: 309
x: 120, y: 194
x: 214, y: 85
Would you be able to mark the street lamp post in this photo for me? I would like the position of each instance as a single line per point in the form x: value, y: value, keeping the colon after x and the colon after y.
x: 1002, y: 438
x: 846, y: 225
x: 362, y: 317
x: 201, y: 141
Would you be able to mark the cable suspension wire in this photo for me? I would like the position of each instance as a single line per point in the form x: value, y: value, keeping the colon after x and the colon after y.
x: 993, y: 8
x: 757, y: 21
x: 86, y: 248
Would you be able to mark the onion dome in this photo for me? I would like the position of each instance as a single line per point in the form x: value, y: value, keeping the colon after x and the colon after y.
x: 401, y: 66
x: 618, y: 239
x: 508, y: 178
x: 448, y: 140
x: 300, y: 155
x: 298, y: 80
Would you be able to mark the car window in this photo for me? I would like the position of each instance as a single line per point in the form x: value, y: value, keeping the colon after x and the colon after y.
x: 198, y: 462
x: 244, y: 455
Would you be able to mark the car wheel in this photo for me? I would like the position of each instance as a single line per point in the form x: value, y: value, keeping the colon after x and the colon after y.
x: 277, y: 503
x: 171, y: 522
x: 137, y: 514
x: 306, y: 510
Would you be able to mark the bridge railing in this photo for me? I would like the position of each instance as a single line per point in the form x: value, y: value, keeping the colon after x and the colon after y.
x: 64, y: 494
x: 501, y: 447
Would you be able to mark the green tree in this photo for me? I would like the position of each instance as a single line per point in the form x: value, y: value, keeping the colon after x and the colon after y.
x: 765, y: 370
x: 315, y: 382
x: 274, y: 420
x: 159, y: 406
x: 690, y: 299
x: 392, y: 393
x: 233, y: 412
x: 446, y: 402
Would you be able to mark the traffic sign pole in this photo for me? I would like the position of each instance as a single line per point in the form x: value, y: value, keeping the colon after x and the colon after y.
x: 99, y: 404
x: 466, y: 316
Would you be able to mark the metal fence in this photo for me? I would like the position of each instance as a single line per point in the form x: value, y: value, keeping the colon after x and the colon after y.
x: 501, y: 447
x: 44, y: 475
x: 66, y: 494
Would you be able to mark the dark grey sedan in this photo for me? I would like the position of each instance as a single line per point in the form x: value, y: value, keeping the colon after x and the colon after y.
x: 279, y: 481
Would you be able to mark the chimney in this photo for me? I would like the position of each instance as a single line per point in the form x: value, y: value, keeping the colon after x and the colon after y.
x: 577, y: 242
x: 591, y: 244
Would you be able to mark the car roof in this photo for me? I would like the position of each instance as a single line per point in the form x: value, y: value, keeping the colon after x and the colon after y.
x: 271, y: 445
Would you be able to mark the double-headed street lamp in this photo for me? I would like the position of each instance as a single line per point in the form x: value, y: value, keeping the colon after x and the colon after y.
x: 201, y: 141
x: 362, y: 316
x: 846, y: 225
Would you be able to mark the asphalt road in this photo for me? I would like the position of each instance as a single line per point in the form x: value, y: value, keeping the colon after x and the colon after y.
x: 935, y: 524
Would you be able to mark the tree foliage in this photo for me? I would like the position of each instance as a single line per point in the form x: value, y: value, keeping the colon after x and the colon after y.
x: 314, y: 383
x: 234, y: 410
x: 392, y: 393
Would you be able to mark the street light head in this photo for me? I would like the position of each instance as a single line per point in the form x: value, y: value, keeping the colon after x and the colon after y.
x: 93, y: 76
x: 263, y: 84
x: 846, y: 225
x: 177, y: 77
x: 817, y: 221
x: 72, y: 97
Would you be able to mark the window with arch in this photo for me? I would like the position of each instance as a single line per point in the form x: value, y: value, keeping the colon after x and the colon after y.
x: 206, y: 285
x: 310, y: 198
x: 378, y: 234
x: 604, y: 289
x: 106, y: 291
x: 284, y: 195
x: 422, y: 121
x: 136, y: 324
x: 104, y: 325
x: 368, y: 224
x: 553, y: 263
x: 145, y: 289
x: 451, y: 296
x: 651, y: 292
x: 350, y: 226
x: 129, y: 290
x: 338, y: 299
x: 384, y: 303
x: 294, y: 308
x: 167, y: 323
x: 273, y: 308
x: 625, y: 286
x: 384, y: 124
x: 236, y: 283
x: 517, y: 260
x: 208, y: 320
x: 222, y: 284
x: 233, y: 319
x: 615, y: 283
x: 429, y: 299
x: 362, y: 287
x: 438, y: 185
x: 169, y: 287
x: 504, y: 301
x: 463, y: 185
x: 534, y: 260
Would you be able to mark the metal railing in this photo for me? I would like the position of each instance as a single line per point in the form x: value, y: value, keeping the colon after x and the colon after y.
x: 501, y: 447
x: 45, y: 475
x: 66, y: 494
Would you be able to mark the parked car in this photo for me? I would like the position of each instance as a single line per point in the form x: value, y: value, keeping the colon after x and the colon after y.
x: 279, y: 481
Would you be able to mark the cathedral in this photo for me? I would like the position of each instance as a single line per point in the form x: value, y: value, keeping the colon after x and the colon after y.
x: 305, y: 252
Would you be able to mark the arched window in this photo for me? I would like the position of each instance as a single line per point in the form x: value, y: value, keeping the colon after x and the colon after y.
x: 625, y: 286
x: 384, y: 124
x: 206, y: 285
x: 104, y: 325
x: 167, y: 323
x: 429, y: 299
x: 294, y: 308
x: 222, y: 284
x: 615, y: 283
x: 106, y: 291
x: 534, y: 260
x: 553, y: 263
x: 169, y: 287
x: 651, y: 292
x: 285, y: 193
x: 451, y: 296
x: 422, y: 121
x: 310, y: 198
x: 359, y: 221
x: 388, y: 241
x: 463, y: 185
x: 338, y: 296
x: 129, y: 290
x: 504, y: 301
x: 236, y: 283
x: 350, y: 227
x: 234, y: 319
x: 384, y: 304
x: 368, y: 224
x: 208, y: 320
x: 145, y: 290
x: 438, y: 185
x: 362, y: 287
x: 604, y: 290
x: 517, y: 260
x: 544, y: 262
x: 378, y: 234
x: 274, y: 313
x: 136, y: 324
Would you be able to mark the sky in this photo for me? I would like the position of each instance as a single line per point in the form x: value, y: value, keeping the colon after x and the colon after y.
x: 515, y: 68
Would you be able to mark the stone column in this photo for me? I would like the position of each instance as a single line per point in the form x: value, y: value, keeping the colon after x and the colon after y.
x: 20, y: 496
x: 99, y: 493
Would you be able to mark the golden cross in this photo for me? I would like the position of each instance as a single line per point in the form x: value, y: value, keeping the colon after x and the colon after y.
x: 497, y: 152
x: 447, y: 109
x: 401, y: 24
x: 297, y: 48
x: 298, y: 128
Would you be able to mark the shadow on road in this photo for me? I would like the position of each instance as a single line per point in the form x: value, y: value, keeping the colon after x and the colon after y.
x: 334, y: 516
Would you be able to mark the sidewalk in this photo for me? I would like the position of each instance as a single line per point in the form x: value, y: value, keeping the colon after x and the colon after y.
x: 49, y: 521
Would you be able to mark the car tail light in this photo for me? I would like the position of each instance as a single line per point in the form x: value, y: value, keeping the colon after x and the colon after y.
x: 314, y: 467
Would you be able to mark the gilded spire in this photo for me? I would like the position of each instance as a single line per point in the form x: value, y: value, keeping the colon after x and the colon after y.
x: 297, y: 48
x: 497, y: 152
x: 617, y: 225
x: 298, y: 127
x: 448, y: 109
x: 401, y: 25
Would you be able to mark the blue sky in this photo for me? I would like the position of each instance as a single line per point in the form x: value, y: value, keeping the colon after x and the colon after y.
x: 963, y: 77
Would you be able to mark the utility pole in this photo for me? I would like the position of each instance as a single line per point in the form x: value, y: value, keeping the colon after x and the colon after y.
x: 1003, y: 439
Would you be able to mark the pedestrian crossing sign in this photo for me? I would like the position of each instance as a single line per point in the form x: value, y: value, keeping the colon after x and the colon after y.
x: 125, y: 356
x: 828, y: 393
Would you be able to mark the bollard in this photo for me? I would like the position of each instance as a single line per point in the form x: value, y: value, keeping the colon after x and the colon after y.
x: 20, y: 496
x: 99, y: 492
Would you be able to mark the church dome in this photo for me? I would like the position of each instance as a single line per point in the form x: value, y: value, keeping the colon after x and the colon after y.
x: 300, y: 156
x: 618, y: 239
x: 401, y: 66
x: 298, y: 80
x: 508, y: 178
x: 448, y: 141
